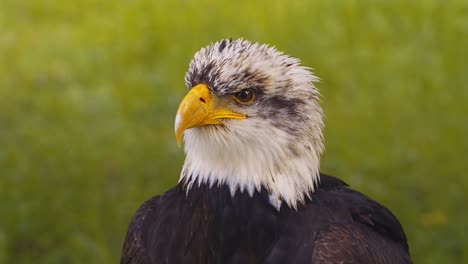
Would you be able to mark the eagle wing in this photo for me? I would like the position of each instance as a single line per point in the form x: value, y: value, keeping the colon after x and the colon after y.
x: 372, y: 235
x: 341, y: 225
x: 351, y: 243
x: 134, y: 250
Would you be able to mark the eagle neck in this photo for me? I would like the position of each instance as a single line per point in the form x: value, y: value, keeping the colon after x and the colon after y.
x: 288, y: 177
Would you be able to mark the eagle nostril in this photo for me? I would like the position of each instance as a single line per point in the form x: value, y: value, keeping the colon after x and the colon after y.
x: 202, y: 100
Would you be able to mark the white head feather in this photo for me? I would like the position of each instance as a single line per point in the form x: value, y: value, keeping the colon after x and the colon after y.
x: 278, y: 147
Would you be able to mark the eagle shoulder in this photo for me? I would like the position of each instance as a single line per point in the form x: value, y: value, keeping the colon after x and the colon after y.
x: 340, y: 225
x: 372, y: 234
x: 134, y: 249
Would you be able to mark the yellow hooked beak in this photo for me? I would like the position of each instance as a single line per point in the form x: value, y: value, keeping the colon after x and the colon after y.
x: 198, y: 108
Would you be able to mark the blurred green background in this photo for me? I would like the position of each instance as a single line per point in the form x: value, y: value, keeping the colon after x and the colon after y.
x: 89, y: 89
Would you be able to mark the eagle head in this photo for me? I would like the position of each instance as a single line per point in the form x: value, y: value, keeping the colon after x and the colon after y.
x: 251, y: 120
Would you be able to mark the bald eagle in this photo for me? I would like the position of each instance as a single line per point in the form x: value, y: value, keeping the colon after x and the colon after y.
x: 250, y: 190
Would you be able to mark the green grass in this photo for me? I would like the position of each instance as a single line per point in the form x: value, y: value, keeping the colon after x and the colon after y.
x: 89, y: 89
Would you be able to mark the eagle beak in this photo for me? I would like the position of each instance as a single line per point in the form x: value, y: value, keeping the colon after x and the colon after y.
x: 199, y: 108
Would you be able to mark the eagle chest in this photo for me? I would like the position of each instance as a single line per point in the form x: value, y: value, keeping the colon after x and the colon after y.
x: 203, y: 230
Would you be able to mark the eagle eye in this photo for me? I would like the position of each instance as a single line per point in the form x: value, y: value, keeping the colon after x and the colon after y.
x: 246, y: 96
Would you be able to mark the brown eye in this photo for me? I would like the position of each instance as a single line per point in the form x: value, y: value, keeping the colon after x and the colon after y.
x: 245, y: 96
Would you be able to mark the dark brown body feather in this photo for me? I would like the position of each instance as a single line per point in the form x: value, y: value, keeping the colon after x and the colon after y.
x: 207, y: 225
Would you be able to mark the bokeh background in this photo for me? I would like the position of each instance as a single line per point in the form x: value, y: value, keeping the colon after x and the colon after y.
x: 89, y: 89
